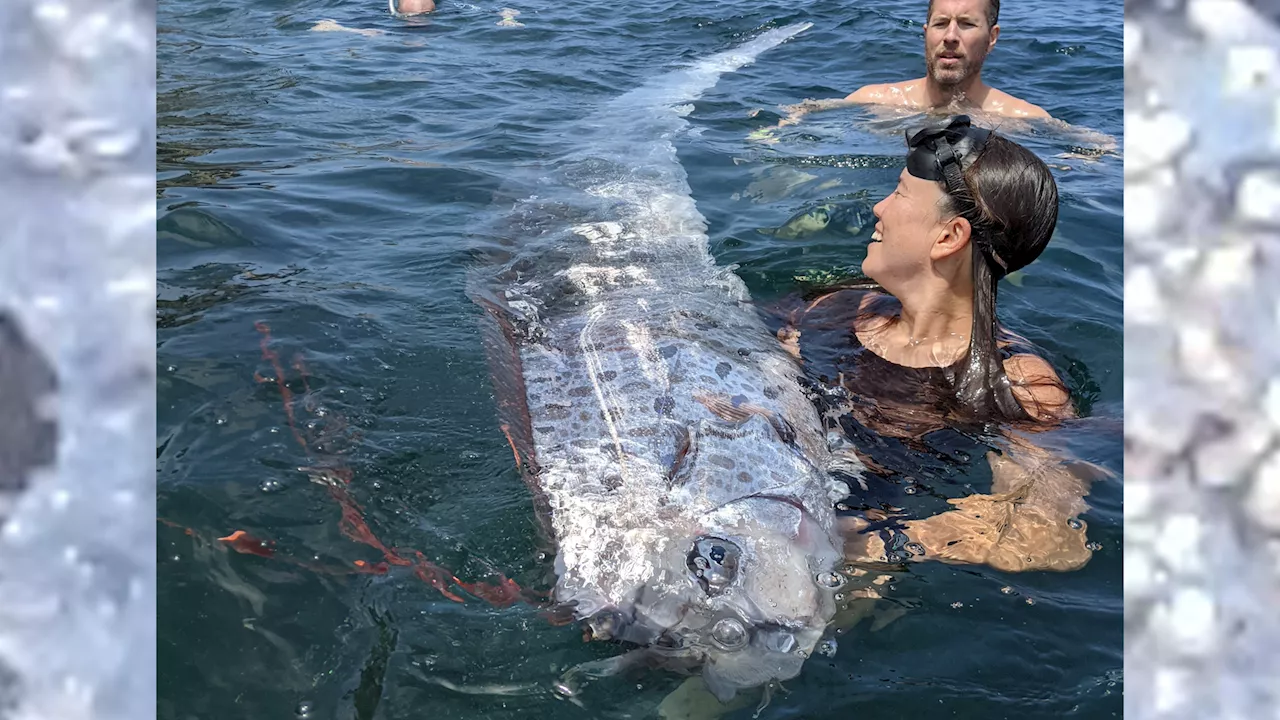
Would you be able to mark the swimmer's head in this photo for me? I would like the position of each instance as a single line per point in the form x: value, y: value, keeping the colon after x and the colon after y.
x: 1006, y: 194
x: 970, y: 207
x: 958, y: 36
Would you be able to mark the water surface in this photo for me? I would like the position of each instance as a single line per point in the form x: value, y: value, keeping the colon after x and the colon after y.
x: 334, y: 186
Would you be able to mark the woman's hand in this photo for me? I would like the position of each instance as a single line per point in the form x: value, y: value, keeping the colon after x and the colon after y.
x: 1028, y: 522
x: 789, y: 336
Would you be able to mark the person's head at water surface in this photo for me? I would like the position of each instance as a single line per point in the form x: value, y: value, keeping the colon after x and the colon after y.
x: 1004, y: 207
x: 406, y: 8
x: 969, y: 208
x: 958, y: 36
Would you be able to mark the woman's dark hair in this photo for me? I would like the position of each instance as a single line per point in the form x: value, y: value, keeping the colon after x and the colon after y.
x: 1011, y: 201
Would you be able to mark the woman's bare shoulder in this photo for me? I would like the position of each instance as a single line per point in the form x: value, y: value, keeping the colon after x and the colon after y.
x: 1038, y: 388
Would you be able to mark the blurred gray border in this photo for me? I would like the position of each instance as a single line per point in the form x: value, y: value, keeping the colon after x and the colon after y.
x: 1202, y: 364
x: 77, y: 268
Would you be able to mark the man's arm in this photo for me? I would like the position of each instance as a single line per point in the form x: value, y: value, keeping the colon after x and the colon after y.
x: 799, y: 110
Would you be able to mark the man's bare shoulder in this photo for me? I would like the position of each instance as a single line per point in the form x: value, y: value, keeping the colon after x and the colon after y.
x: 1003, y: 103
x: 899, y: 93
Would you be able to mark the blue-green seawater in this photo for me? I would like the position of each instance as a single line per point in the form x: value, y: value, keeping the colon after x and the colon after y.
x: 333, y: 185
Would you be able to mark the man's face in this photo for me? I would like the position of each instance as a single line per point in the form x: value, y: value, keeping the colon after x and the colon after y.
x: 957, y: 40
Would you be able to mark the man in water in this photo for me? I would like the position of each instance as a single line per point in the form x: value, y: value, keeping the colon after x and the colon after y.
x: 958, y: 37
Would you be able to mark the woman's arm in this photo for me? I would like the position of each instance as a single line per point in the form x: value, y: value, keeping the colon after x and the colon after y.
x: 1030, y: 520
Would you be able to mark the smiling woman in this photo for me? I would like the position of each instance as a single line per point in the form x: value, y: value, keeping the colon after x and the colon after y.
x: 969, y: 208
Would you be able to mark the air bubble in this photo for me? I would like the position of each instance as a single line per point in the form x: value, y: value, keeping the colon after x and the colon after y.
x: 827, y: 648
x: 304, y: 709
x: 1074, y: 524
x: 1094, y: 546
x: 830, y: 579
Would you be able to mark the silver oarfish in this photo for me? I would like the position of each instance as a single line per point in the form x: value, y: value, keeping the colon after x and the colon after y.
x: 676, y: 463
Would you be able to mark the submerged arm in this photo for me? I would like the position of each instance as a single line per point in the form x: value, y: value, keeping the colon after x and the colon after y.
x: 796, y: 112
x: 1030, y: 519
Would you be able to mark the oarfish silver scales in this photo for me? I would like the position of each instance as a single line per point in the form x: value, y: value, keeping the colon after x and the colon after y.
x: 665, y: 433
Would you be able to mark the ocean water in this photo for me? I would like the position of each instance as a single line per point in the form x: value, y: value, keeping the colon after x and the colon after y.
x: 320, y: 198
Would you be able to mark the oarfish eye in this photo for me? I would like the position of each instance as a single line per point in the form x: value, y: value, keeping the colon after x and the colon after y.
x: 714, y: 561
x: 729, y: 634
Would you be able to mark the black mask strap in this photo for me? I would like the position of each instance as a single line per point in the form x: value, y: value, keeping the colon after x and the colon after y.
x: 933, y: 155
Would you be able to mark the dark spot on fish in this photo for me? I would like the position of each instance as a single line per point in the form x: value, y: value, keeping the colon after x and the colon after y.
x: 614, y: 413
x: 544, y: 430
x: 704, y: 326
x: 708, y: 380
x: 683, y: 446
x: 582, y: 444
x: 724, y: 432
x: 744, y: 477
x: 744, y: 352
x: 608, y: 375
x: 668, y: 351
x: 581, y: 392
x: 583, y: 416
x: 664, y: 405
x: 771, y: 393
x: 642, y: 432
x: 612, y: 549
x: 723, y: 370
x: 612, y: 482
x: 722, y: 461
x: 737, y: 400
x: 634, y: 387
x: 784, y: 429
x: 555, y: 411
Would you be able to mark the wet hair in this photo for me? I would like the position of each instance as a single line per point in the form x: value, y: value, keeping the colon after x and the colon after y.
x: 993, y: 12
x: 1010, y: 199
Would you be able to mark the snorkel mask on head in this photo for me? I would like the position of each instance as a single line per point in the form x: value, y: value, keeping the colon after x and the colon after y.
x: 935, y: 152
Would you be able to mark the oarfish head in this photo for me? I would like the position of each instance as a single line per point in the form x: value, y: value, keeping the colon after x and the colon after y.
x: 744, y: 598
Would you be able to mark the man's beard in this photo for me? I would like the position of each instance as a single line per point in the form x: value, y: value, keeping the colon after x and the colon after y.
x: 952, y: 77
